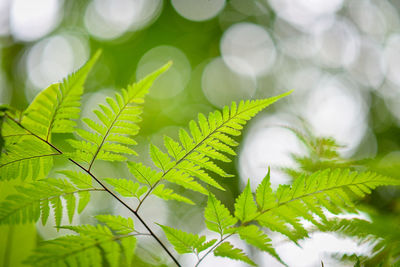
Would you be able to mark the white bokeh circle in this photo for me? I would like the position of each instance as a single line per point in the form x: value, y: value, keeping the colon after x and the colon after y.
x: 198, y: 10
x: 248, y: 49
x: 173, y: 81
x: 221, y: 85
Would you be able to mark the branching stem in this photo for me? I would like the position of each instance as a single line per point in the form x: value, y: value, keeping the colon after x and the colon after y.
x: 105, y: 189
x: 212, y: 248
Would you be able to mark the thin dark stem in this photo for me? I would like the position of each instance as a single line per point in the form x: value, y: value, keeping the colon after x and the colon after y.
x: 185, y: 156
x: 107, y: 190
x: 129, y: 208
x: 212, y: 248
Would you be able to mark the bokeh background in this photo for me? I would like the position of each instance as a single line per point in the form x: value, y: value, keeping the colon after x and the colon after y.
x: 341, y: 57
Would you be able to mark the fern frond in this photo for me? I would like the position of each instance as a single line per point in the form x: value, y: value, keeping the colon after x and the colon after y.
x: 168, y: 194
x: 383, y: 232
x: 227, y: 250
x: 127, y: 188
x: 109, y: 140
x: 264, y: 192
x: 144, y: 174
x: 53, y: 109
x: 209, y: 139
x: 93, y: 246
x: 245, y: 207
x: 257, y: 238
x: 334, y: 190
x: 322, y: 153
x: 184, y: 242
x: 281, y: 211
x: 35, y: 199
x: 24, y: 156
x: 217, y: 216
x: 118, y: 224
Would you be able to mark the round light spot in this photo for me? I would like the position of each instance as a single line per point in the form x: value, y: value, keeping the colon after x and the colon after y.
x: 221, y: 85
x: 250, y: 8
x: 171, y: 82
x: 369, y: 18
x: 52, y: 59
x: 109, y: 19
x: 339, y: 44
x: 247, y: 49
x: 320, y: 246
x: 309, y: 16
x: 335, y: 108
x: 266, y: 144
x: 4, y: 17
x: 292, y: 41
x: 198, y: 10
x: 30, y: 20
x: 368, y: 69
x: 392, y: 58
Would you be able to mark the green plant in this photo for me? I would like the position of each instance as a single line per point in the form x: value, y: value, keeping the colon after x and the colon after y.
x: 28, y: 152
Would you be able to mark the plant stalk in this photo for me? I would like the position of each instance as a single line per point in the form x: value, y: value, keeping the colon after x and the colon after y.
x: 106, y: 189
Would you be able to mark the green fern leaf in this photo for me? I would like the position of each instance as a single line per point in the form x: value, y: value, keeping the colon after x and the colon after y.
x: 206, y: 245
x: 255, y: 237
x: 168, y: 194
x: 245, y: 207
x: 128, y: 245
x: 76, y: 250
x: 26, y: 158
x: 52, y: 111
x: 109, y: 140
x: 144, y: 174
x: 118, y: 224
x: 79, y: 179
x: 264, y: 194
x: 217, y: 216
x: 185, y: 242
x: 53, y: 108
x: 86, y: 249
x: 334, y: 190
x: 381, y: 231
x: 160, y: 159
x: 84, y: 198
x: 127, y: 188
x: 209, y: 139
x: 227, y: 250
x: 23, y: 156
x: 184, y: 179
x: 34, y: 199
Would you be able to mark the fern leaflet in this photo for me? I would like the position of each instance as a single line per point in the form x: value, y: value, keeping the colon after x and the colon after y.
x: 333, y: 190
x: 24, y: 156
x: 209, y: 139
x: 217, y: 216
x: 27, y: 154
x: 54, y: 108
x: 227, y: 250
x: 245, y: 208
x: 186, y: 242
x: 35, y: 199
x: 115, y: 241
x: 127, y: 188
x: 108, y: 140
x: 282, y: 210
x: 383, y: 232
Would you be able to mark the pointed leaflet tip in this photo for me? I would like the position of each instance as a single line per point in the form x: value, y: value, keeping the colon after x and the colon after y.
x: 275, y: 98
x: 165, y: 67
